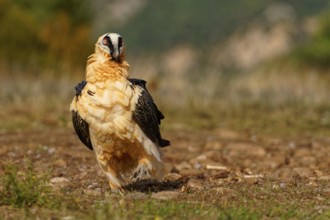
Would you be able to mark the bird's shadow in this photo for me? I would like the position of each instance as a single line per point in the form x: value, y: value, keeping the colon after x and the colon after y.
x: 146, y: 186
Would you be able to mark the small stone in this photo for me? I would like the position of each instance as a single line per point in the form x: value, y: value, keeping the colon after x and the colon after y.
x: 59, y: 181
x: 312, y: 183
x: 60, y: 163
x: 275, y: 186
x: 51, y: 150
x: 183, y: 166
x: 216, y: 167
x: 292, y: 145
x: 201, y: 157
x: 172, y: 177
x: 253, y: 179
x: 92, y: 186
x: 198, y: 165
x: 165, y: 195
x: 282, y: 185
x: 194, y: 185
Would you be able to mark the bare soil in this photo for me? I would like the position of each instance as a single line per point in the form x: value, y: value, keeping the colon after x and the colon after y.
x: 220, y: 162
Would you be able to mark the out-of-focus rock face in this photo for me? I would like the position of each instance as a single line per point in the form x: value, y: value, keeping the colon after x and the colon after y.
x: 115, y: 12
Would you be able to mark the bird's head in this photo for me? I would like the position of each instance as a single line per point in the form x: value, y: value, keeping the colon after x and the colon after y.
x: 112, y: 45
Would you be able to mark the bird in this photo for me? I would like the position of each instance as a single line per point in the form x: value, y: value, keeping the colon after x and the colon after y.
x: 117, y: 118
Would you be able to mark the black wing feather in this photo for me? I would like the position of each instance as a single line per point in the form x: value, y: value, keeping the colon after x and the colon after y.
x: 80, y: 125
x: 82, y: 129
x: 142, y: 83
x: 147, y: 115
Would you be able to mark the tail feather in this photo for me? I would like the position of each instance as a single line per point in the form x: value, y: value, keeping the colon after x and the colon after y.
x: 164, y: 143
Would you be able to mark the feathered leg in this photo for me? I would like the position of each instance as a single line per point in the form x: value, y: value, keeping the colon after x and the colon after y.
x: 148, y: 168
x: 115, y: 180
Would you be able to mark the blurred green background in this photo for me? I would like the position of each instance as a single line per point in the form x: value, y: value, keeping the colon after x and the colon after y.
x: 253, y: 65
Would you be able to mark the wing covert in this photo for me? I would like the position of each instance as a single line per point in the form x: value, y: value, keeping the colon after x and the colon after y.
x: 147, y: 115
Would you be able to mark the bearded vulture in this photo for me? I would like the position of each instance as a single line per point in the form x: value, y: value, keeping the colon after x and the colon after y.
x: 115, y: 116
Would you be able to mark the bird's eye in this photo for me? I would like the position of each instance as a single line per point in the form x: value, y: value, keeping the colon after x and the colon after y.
x: 105, y: 41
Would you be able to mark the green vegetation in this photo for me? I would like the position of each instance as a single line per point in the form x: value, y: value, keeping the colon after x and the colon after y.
x: 153, y: 209
x: 256, y: 118
x: 25, y: 188
x: 39, y: 35
x: 163, y: 25
x: 56, y: 34
x: 316, y: 53
x: 244, y: 202
x: 199, y: 23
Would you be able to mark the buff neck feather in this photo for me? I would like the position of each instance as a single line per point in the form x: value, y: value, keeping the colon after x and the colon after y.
x: 100, y: 68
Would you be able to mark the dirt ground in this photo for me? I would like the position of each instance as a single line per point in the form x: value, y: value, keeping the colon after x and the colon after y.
x: 221, y: 162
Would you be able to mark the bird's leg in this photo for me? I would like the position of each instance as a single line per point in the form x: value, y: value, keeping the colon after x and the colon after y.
x: 115, y: 181
x: 142, y: 170
x: 116, y: 189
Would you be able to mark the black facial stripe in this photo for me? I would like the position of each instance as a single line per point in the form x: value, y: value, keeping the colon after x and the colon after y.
x: 110, y: 45
x: 120, y: 42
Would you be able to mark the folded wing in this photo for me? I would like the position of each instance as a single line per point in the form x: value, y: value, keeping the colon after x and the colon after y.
x: 80, y: 125
x: 147, y: 115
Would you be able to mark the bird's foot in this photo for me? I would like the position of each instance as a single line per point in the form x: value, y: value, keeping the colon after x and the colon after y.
x: 116, y: 189
x: 140, y: 173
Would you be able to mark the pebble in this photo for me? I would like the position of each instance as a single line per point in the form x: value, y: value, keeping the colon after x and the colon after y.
x: 194, y: 185
x: 92, y: 186
x: 55, y: 180
x: 60, y: 163
x: 172, y: 177
x: 59, y: 181
x: 183, y: 166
